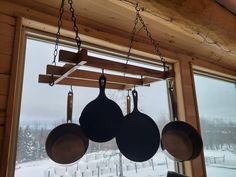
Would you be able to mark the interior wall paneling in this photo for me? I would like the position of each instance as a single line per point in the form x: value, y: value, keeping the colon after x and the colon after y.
x: 7, y: 38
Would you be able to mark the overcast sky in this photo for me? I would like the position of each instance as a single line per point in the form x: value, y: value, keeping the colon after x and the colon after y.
x: 216, y: 98
x: 42, y: 102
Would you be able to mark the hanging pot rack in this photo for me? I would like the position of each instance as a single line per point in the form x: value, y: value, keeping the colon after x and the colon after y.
x: 72, y: 74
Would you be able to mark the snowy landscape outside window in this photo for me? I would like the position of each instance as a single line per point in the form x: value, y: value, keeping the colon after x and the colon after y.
x: 44, y: 107
x: 217, y: 111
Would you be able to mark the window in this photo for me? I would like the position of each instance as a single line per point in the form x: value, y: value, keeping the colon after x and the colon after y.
x: 217, y: 102
x: 44, y: 107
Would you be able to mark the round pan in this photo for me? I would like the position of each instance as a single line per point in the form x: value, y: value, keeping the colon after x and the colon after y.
x: 139, y: 137
x: 179, y: 140
x: 174, y: 174
x: 100, y: 120
x: 66, y: 143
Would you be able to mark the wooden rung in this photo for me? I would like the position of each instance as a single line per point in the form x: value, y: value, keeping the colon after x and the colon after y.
x: 89, y: 75
x: 82, y: 82
x: 74, y: 58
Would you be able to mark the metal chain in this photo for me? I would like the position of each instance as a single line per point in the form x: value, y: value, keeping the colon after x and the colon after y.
x: 75, y: 27
x: 154, y: 43
x: 132, y: 37
x: 59, y: 23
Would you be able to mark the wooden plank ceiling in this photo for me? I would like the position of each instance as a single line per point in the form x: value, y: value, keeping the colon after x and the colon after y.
x: 228, y: 4
x: 201, y: 29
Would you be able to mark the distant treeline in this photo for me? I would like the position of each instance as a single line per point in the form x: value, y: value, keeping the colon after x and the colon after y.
x: 218, y: 134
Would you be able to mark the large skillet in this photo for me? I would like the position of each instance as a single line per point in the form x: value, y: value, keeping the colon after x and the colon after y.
x: 139, y: 137
x: 101, y: 118
x: 66, y: 143
x: 180, y: 140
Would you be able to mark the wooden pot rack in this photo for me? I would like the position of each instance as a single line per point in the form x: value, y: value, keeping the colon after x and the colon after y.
x: 72, y: 74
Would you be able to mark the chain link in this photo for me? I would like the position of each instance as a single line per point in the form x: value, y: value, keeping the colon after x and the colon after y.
x: 75, y: 27
x: 132, y: 37
x: 149, y: 35
x: 59, y: 23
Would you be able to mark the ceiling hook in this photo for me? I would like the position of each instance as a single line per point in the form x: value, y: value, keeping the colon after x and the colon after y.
x: 71, y: 89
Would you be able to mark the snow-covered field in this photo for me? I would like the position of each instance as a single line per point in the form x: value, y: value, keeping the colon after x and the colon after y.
x: 102, y: 164
x: 220, y: 163
x: 106, y: 164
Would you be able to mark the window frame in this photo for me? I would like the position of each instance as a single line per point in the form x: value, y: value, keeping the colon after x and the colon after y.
x: 26, y: 27
x: 12, y: 125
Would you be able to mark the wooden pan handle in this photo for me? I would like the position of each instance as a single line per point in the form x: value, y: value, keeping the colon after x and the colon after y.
x: 173, y: 99
x: 128, y: 102
x: 135, y: 99
x: 69, y: 106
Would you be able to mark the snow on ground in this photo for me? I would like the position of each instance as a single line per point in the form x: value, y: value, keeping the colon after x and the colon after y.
x: 220, y: 172
x: 220, y: 163
x: 224, y: 157
x: 106, y: 163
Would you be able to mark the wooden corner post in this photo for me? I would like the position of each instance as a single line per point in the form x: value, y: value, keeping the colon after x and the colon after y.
x: 188, y: 111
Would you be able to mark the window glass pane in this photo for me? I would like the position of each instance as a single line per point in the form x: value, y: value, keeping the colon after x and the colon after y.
x: 217, y: 110
x: 44, y: 107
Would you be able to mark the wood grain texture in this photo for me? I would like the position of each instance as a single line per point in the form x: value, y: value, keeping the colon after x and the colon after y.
x: 4, y: 86
x: 5, y: 63
x: 73, y: 58
x: 80, y: 82
x: 1, y: 147
x: 6, y: 19
x: 90, y: 75
x: 6, y: 44
x: 7, y: 30
x: 2, y: 118
x: 1, y: 132
x: 3, y: 102
x: 168, y: 30
x: 13, y: 103
x: 190, y: 111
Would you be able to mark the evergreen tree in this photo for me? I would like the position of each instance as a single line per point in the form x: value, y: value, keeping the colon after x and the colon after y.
x: 20, y: 146
x: 28, y: 144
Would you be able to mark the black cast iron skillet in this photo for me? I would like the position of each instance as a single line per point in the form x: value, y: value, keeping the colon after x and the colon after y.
x: 66, y: 143
x: 139, y: 137
x: 101, y: 118
x: 180, y: 140
x: 174, y: 174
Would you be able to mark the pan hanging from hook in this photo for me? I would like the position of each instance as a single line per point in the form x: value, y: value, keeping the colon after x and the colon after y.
x: 101, y: 118
x: 179, y: 140
x: 67, y: 143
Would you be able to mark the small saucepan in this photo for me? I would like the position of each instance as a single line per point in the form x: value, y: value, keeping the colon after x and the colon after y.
x: 179, y: 140
x: 100, y: 120
x: 139, y: 137
x: 67, y: 143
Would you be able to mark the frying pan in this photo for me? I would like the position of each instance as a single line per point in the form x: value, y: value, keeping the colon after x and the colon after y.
x: 139, y: 137
x: 174, y: 174
x: 179, y: 140
x: 100, y: 120
x: 66, y: 143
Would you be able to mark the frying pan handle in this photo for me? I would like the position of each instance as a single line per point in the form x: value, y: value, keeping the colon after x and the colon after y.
x: 69, y: 106
x: 128, y: 104
x: 173, y: 99
x: 135, y: 98
x: 102, y: 84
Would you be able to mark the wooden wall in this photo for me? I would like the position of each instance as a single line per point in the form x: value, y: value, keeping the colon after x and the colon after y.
x: 7, y: 33
x: 8, y: 36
